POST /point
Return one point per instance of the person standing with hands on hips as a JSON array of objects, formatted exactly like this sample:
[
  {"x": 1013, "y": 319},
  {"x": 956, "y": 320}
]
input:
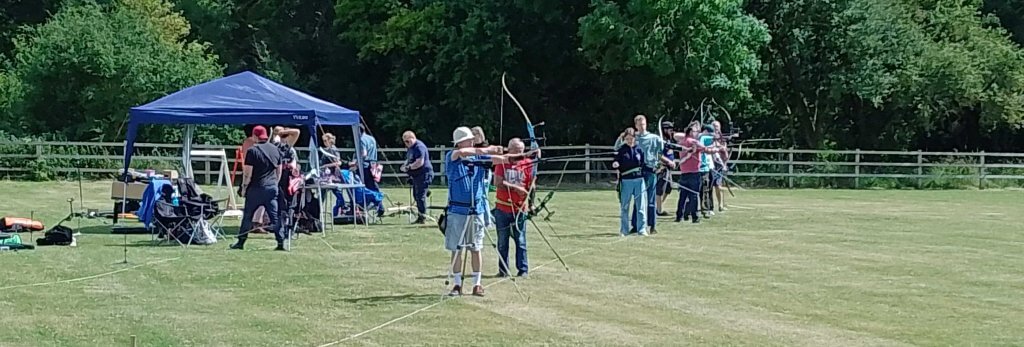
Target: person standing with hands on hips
[
  {"x": 629, "y": 162},
  {"x": 421, "y": 172}
]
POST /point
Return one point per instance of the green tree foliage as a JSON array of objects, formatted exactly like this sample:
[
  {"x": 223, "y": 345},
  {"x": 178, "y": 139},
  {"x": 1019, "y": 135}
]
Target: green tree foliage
[
  {"x": 82, "y": 70},
  {"x": 902, "y": 74},
  {"x": 872, "y": 74}
]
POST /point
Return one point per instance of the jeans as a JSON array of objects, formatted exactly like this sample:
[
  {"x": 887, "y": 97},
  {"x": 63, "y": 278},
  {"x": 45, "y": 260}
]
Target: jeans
[
  {"x": 688, "y": 195},
  {"x": 634, "y": 189},
  {"x": 650, "y": 190},
  {"x": 368, "y": 179},
  {"x": 708, "y": 196},
  {"x": 511, "y": 227},
  {"x": 254, "y": 198},
  {"x": 420, "y": 184}
]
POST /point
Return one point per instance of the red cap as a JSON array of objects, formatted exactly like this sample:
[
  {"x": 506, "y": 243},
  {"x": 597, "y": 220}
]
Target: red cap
[{"x": 260, "y": 132}]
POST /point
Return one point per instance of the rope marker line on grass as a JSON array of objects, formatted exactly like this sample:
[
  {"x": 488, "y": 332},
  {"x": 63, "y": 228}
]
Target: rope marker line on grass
[
  {"x": 424, "y": 308},
  {"x": 89, "y": 277}
]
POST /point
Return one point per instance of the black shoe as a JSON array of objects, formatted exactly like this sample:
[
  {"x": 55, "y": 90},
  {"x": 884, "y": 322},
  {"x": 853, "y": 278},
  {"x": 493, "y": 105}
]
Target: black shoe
[
  {"x": 662, "y": 214},
  {"x": 695, "y": 221},
  {"x": 236, "y": 246},
  {"x": 280, "y": 247},
  {"x": 523, "y": 274},
  {"x": 501, "y": 274},
  {"x": 653, "y": 231},
  {"x": 632, "y": 231},
  {"x": 678, "y": 219},
  {"x": 420, "y": 221}
]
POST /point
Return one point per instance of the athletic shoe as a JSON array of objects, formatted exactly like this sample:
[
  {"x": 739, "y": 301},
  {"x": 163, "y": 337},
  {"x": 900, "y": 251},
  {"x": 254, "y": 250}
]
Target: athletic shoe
[
  {"x": 711, "y": 213},
  {"x": 421, "y": 220},
  {"x": 478, "y": 291},
  {"x": 236, "y": 246},
  {"x": 695, "y": 221},
  {"x": 662, "y": 214},
  {"x": 280, "y": 247},
  {"x": 523, "y": 274},
  {"x": 456, "y": 291},
  {"x": 653, "y": 231},
  {"x": 501, "y": 274}
]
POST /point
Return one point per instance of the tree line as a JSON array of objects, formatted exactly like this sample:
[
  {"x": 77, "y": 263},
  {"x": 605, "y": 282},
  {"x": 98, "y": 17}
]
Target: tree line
[{"x": 870, "y": 74}]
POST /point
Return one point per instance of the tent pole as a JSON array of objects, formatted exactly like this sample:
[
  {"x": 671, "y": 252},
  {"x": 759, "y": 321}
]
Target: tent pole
[{"x": 186, "y": 148}]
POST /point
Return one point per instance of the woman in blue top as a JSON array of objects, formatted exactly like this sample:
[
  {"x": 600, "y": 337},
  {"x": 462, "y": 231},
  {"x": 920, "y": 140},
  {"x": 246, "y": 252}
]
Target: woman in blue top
[{"x": 629, "y": 161}]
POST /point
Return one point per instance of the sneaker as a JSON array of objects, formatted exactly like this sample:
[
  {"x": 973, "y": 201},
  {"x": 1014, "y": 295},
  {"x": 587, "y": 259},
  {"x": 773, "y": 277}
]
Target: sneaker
[
  {"x": 421, "y": 220},
  {"x": 678, "y": 219},
  {"x": 695, "y": 221},
  {"x": 653, "y": 231},
  {"x": 523, "y": 274},
  {"x": 236, "y": 246},
  {"x": 632, "y": 231},
  {"x": 663, "y": 214},
  {"x": 501, "y": 275},
  {"x": 456, "y": 291},
  {"x": 711, "y": 213},
  {"x": 722, "y": 209},
  {"x": 478, "y": 290},
  {"x": 280, "y": 247}
]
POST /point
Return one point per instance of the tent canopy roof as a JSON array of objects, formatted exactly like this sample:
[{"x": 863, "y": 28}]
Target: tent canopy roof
[{"x": 242, "y": 98}]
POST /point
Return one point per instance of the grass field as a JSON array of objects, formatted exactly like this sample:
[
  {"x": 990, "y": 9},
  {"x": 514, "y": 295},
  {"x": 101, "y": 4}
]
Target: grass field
[{"x": 781, "y": 268}]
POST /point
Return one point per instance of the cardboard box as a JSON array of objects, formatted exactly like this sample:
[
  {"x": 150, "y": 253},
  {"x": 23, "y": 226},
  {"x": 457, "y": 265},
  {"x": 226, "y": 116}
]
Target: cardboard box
[
  {"x": 170, "y": 174},
  {"x": 133, "y": 191}
]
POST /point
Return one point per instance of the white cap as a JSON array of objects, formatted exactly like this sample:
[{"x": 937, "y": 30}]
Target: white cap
[{"x": 462, "y": 134}]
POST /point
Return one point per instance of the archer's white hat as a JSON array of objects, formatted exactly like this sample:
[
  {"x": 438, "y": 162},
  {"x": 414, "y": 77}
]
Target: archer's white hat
[{"x": 462, "y": 134}]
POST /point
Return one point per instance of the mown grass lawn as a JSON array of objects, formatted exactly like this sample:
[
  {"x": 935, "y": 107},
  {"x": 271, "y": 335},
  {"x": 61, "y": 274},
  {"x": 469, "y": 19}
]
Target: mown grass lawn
[{"x": 782, "y": 267}]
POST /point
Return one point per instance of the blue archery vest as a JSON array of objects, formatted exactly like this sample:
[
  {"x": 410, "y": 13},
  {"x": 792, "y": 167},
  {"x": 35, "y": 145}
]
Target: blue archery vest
[{"x": 467, "y": 185}]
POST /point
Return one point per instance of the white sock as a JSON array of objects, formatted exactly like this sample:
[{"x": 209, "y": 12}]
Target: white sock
[
  {"x": 476, "y": 278},
  {"x": 458, "y": 278}
]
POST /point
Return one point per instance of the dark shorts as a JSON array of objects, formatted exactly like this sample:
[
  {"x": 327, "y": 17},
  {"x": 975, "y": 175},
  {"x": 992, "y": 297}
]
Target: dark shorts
[
  {"x": 716, "y": 178},
  {"x": 663, "y": 187}
]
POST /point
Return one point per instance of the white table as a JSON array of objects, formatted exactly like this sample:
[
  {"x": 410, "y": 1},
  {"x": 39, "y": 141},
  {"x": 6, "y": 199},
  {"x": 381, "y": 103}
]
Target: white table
[{"x": 326, "y": 209}]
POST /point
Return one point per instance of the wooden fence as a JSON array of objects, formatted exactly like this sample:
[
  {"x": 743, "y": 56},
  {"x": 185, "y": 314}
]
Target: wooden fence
[{"x": 753, "y": 166}]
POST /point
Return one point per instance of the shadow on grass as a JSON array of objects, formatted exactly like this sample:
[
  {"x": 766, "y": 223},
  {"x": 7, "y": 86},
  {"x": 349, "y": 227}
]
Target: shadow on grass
[
  {"x": 466, "y": 276},
  {"x": 392, "y": 299}
]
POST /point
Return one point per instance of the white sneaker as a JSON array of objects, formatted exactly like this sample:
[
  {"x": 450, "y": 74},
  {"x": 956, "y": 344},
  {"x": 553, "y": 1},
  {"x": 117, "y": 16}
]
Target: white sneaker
[{"x": 711, "y": 213}]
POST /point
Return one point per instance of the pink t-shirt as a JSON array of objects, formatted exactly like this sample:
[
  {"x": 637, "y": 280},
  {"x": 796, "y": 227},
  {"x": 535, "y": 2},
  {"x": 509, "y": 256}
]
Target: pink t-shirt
[{"x": 691, "y": 162}]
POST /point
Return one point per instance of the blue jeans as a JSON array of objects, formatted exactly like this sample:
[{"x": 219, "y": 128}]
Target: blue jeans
[
  {"x": 515, "y": 228},
  {"x": 420, "y": 184},
  {"x": 254, "y": 198},
  {"x": 650, "y": 189},
  {"x": 634, "y": 189},
  {"x": 688, "y": 195}
]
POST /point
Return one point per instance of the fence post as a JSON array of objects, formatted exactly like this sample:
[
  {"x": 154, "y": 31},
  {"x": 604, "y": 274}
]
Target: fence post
[
  {"x": 444, "y": 177},
  {"x": 856, "y": 170},
  {"x": 790, "y": 167},
  {"x": 39, "y": 151},
  {"x": 586, "y": 150},
  {"x": 981, "y": 171},
  {"x": 920, "y": 171}
]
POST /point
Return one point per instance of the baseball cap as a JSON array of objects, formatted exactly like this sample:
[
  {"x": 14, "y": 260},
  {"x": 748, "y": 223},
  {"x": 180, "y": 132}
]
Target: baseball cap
[{"x": 260, "y": 132}]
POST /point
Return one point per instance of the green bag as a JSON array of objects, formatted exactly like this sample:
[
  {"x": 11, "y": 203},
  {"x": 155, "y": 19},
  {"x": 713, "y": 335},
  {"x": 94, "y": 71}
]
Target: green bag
[{"x": 12, "y": 240}]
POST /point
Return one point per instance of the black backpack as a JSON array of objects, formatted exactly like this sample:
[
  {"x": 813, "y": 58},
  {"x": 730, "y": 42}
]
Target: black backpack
[{"x": 58, "y": 236}]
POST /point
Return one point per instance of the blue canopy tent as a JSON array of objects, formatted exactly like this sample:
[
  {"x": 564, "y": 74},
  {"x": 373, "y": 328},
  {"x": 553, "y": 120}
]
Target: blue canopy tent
[{"x": 243, "y": 98}]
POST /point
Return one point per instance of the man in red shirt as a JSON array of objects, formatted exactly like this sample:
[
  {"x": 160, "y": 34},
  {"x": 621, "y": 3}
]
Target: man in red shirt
[
  {"x": 689, "y": 165},
  {"x": 513, "y": 181}
]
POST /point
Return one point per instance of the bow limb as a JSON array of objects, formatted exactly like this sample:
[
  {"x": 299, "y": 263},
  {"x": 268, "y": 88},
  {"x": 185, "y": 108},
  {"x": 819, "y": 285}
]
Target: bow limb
[{"x": 533, "y": 139}]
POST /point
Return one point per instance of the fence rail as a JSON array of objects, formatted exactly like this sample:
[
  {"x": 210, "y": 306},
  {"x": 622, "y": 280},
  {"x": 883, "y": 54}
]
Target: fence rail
[{"x": 780, "y": 167}]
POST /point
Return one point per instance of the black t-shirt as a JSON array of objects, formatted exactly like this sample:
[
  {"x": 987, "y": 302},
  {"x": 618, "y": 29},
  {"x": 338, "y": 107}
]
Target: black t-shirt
[{"x": 264, "y": 158}]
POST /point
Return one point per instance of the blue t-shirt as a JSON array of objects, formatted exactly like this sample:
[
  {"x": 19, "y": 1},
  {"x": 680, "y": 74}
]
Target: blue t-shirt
[
  {"x": 370, "y": 145},
  {"x": 706, "y": 160},
  {"x": 467, "y": 184},
  {"x": 417, "y": 151}
]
